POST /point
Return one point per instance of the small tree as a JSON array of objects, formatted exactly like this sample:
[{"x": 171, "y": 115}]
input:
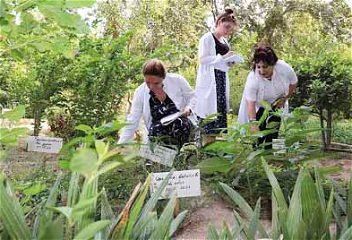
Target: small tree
[{"x": 325, "y": 85}]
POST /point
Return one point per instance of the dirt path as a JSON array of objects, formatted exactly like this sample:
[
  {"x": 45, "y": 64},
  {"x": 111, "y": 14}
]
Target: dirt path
[{"x": 216, "y": 212}]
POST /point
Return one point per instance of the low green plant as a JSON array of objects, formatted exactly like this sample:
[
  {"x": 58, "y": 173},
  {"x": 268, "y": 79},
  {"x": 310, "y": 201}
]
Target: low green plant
[
  {"x": 238, "y": 160},
  {"x": 307, "y": 216},
  {"x": 79, "y": 217}
]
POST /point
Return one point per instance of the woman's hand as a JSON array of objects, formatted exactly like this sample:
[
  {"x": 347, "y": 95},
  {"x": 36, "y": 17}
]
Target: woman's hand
[
  {"x": 186, "y": 112},
  {"x": 228, "y": 54},
  {"x": 254, "y": 128}
]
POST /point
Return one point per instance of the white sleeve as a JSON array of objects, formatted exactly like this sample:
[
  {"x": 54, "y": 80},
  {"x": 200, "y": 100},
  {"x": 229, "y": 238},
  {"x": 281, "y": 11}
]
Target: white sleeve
[
  {"x": 288, "y": 72},
  {"x": 133, "y": 118},
  {"x": 204, "y": 52},
  {"x": 188, "y": 93},
  {"x": 251, "y": 88}
]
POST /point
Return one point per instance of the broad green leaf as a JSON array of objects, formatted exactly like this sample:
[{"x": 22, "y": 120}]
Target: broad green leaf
[
  {"x": 349, "y": 203},
  {"x": 212, "y": 233},
  {"x": 101, "y": 148},
  {"x": 52, "y": 230},
  {"x": 162, "y": 227},
  {"x": 85, "y": 128},
  {"x": 84, "y": 161},
  {"x": 137, "y": 206},
  {"x": 106, "y": 214},
  {"x": 15, "y": 114},
  {"x": 73, "y": 190},
  {"x": 176, "y": 222},
  {"x": 108, "y": 167},
  {"x": 347, "y": 235},
  {"x": 275, "y": 186},
  {"x": 215, "y": 164},
  {"x": 254, "y": 221},
  {"x": 25, "y": 5},
  {"x": 79, "y": 3},
  {"x": 66, "y": 211},
  {"x": 11, "y": 214},
  {"x": 35, "y": 189},
  {"x": 243, "y": 205},
  {"x": 89, "y": 231}
]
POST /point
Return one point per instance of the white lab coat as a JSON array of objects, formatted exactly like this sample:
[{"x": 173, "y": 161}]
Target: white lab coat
[
  {"x": 258, "y": 89},
  {"x": 205, "y": 84},
  {"x": 178, "y": 90}
]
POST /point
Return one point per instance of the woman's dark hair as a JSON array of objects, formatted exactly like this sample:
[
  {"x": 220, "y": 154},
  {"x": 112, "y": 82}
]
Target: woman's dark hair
[
  {"x": 264, "y": 54},
  {"x": 154, "y": 67},
  {"x": 227, "y": 16}
]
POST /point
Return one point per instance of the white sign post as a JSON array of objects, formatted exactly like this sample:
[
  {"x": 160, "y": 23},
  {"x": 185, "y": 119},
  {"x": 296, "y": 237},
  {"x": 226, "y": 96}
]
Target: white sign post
[
  {"x": 162, "y": 155},
  {"x": 182, "y": 183},
  {"x": 44, "y": 144},
  {"x": 279, "y": 144}
]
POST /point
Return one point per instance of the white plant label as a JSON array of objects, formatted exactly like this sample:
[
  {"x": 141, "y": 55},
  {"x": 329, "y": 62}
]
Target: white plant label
[
  {"x": 279, "y": 144},
  {"x": 162, "y": 155},
  {"x": 44, "y": 144},
  {"x": 182, "y": 183}
]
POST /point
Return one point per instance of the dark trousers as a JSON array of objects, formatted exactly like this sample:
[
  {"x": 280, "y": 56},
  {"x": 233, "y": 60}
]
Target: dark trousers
[{"x": 270, "y": 118}]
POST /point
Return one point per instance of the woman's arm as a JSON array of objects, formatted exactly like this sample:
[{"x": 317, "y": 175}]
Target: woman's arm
[
  {"x": 252, "y": 116},
  {"x": 204, "y": 51},
  {"x": 133, "y": 118},
  {"x": 188, "y": 94}
]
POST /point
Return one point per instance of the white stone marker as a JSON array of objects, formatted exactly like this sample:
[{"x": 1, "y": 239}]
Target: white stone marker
[
  {"x": 182, "y": 183},
  {"x": 43, "y": 144},
  {"x": 162, "y": 155}
]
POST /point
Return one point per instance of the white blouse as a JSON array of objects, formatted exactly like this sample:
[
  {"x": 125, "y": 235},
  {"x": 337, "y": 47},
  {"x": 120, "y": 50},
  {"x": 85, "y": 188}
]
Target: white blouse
[
  {"x": 206, "y": 85},
  {"x": 258, "y": 88},
  {"x": 178, "y": 90}
]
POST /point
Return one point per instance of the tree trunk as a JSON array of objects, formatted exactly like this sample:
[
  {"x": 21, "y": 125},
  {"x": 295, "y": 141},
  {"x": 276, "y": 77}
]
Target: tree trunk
[
  {"x": 38, "y": 113},
  {"x": 321, "y": 117},
  {"x": 328, "y": 128}
]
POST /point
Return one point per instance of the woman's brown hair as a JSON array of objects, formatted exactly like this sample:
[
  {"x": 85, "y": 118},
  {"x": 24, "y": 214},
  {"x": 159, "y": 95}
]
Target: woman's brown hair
[
  {"x": 227, "y": 16},
  {"x": 154, "y": 67}
]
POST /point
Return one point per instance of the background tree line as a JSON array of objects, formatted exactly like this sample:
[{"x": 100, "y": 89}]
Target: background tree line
[{"x": 53, "y": 63}]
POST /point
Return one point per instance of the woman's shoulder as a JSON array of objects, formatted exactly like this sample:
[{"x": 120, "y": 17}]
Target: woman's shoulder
[
  {"x": 207, "y": 37},
  {"x": 174, "y": 77},
  {"x": 282, "y": 65}
]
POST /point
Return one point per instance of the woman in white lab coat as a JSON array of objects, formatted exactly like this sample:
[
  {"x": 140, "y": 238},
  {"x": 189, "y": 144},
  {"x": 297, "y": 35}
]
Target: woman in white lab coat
[
  {"x": 271, "y": 80},
  {"x": 212, "y": 86},
  {"x": 161, "y": 95}
]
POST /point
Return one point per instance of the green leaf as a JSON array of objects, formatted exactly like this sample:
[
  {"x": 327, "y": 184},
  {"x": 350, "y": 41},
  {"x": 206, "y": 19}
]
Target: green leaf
[
  {"x": 108, "y": 167},
  {"x": 52, "y": 230},
  {"x": 11, "y": 214},
  {"x": 15, "y": 114},
  {"x": 176, "y": 222},
  {"x": 101, "y": 148},
  {"x": 212, "y": 233},
  {"x": 79, "y": 3},
  {"x": 85, "y": 128},
  {"x": 66, "y": 211},
  {"x": 35, "y": 189},
  {"x": 216, "y": 164},
  {"x": 89, "y": 231},
  {"x": 84, "y": 161},
  {"x": 243, "y": 205},
  {"x": 163, "y": 225}
]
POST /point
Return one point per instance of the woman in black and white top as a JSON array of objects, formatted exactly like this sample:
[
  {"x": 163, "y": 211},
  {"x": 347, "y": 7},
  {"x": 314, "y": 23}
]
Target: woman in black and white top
[
  {"x": 271, "y": 79},
  {"x": 160, "y": 95},
  {"x": 212, "y": 86}
]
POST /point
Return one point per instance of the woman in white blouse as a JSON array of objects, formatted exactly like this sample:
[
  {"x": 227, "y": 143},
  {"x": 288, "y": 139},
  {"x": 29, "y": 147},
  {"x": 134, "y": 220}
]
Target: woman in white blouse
[
  {"x": 212, "y": 86},
  {"x": 271, "y": 80},
  {"x": 160, "y": 95}
]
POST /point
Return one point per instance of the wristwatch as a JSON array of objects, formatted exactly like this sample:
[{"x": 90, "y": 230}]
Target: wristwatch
[{"x": 252, "y": 120}]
